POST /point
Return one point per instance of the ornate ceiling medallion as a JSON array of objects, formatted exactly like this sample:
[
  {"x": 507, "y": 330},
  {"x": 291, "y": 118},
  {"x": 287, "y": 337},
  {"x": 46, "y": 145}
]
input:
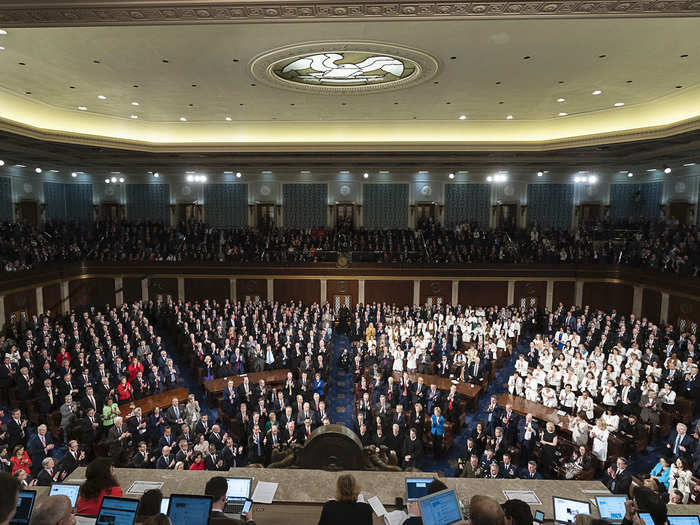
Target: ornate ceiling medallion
[{"x": 343, "y": 68}]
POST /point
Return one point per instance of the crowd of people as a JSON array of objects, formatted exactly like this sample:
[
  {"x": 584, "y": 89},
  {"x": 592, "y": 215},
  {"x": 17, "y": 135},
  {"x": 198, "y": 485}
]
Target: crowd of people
[{"x": 659, "y": 246}]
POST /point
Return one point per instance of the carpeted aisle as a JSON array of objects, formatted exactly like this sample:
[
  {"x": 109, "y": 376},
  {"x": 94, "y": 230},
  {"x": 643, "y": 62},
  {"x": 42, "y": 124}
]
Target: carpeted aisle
[{"x": 340, "y": 399}]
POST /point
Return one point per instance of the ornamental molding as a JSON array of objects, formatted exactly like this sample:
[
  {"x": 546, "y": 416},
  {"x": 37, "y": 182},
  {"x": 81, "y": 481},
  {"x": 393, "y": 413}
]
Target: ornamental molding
[{"x": 39, "y": 13}]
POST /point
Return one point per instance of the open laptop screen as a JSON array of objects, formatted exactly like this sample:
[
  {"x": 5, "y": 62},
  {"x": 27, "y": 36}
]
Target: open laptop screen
[
  {"x": 440, "y": 508},
  {"x": 25, "y": 504},
  {"x": 566, "y": 510},
  {"x": 117, "y": 511},
  {"x": 417, "y": 488},
  {"x": 684, "y": 520},
  {"x": 185, "y": 509},
  {"x": 611, "y": 508},
  {"x": 59, "y": 489},
  {"x": 238, "y": 488}
]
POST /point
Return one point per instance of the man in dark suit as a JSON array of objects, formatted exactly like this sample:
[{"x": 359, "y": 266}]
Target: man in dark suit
[
  {"x": 629, "y": 398},
  {"x": 618, "y": 479},
  {"x": 39, "y": 447},
  {"x": 89, "y": 426},
  {"x": 472, "y": 468},
  {"x": 256, "y": 447},
  {"x": 477, "y": 372},
  {"x": 213, "y": 460},
  {"x": 175, "y": 414},
  {"x": 72, "y": 459},
  {"x": 16, "y": 429},
  {"x": 46, "y": 475},
  {"x": 680, "y": 444},
  {"x": 531, "y": 472},
  {"x": 165, "y": 461},
  {"x": 217, "y": 487},
  {"x": 412, "y": 450},
  {"x": 141, "y": 459},
  {"x": 119, "y": 440}
]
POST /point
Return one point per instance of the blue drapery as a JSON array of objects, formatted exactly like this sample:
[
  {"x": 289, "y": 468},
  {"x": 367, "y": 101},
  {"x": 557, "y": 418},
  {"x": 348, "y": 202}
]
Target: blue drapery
[
  {"x": 305, "y": 205},
  {"x": 550, "y": 206},
  {"x": 385, "y": 206},
  {"x": 634, "y": 201},
  {"x": 467, "y": 203},
  {"x": 68, "y": 201},
  {"x": 226, "y": 205},
  {"x": 148, "y": 202}
]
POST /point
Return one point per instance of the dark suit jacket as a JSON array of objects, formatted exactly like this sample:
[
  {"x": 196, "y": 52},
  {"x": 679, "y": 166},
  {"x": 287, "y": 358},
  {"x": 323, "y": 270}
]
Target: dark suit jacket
[
  {"x": 219, "y": 518},
  {"x": 44, "y": 479},
  {"x": 345, "y": 513},
  {"x": 623, "y": 480}
]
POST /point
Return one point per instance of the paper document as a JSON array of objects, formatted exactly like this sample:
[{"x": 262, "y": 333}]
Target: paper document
[
  {"x": 83, "y": 520},
  {"x": 139, "y": 487},
  {"x": 561, "y": 413},
  {"x": 596, "y": 491},
  {"x": 264, "y": 492},
  {"x": 528, "y": 496},
  {"x": 377, "y": 506},
  {"x": 360, "y": 498},
  {"x": 396, "y": 517}
]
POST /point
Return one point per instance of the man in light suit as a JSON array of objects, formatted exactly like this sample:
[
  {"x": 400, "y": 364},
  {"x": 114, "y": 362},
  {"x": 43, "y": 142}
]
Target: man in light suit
[{"x": 68, "y": 409}]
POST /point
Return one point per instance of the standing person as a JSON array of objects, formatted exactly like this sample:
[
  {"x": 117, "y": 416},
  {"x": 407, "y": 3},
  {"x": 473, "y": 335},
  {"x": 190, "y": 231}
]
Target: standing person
[
  {"x": 437, "y": 429},
  {"x": 345, "y": 509}
]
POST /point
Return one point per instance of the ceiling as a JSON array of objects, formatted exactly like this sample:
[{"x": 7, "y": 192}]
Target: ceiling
[{"x": 486, "y": 71}]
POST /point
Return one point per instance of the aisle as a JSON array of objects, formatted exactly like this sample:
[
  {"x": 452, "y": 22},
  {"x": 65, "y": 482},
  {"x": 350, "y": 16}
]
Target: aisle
[{"x": 340, "y": 398}]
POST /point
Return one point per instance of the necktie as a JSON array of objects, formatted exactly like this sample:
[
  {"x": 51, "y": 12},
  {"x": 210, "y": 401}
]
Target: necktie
[
  {"x": 675, "y": 446},
  {"x": 43, "y": 440},
  {"x": 177, "y": 413}
]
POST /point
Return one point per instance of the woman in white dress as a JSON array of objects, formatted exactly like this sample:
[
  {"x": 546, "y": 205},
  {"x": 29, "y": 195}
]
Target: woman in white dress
[
  {"x": 539, "y": 375},
  {"x": 680, "y": 478},
  {"x": 654, "y": 369},
  {"x": 531, "y": 392},
  {"x": 600, "y": 434},
  {"x": 549, "y": 397},
  {"x": 598, "y": 357},
  {"x": 584, "y": 404},
  {"x": 648, "y": 385},
  {"x": 554, "y": 378},
  {"x": 610, "y": 394},
  {"x": 521, "y": 365},
  {"x": 546, "y": 359},
  {"x": 615, "y": 359},
  {"x": 411, "y": 361},
  {"x": 667, "y": 396},
  {"x": 579, "y": 430},
  {"x": 612, "y": 421},
  {"x": 398, "y": 360},
  {"x": 515, "y": 385}
]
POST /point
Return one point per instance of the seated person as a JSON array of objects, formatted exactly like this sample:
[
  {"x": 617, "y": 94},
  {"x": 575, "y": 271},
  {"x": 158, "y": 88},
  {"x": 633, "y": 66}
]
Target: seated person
[{"x": 345, "y": 510}]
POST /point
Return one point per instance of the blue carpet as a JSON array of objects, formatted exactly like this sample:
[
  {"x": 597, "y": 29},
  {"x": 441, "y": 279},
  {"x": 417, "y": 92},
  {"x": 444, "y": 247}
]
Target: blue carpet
[{"x": 340, "y": 397}]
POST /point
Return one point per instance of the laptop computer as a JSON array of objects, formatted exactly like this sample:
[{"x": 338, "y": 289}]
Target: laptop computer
[
  {"x": 25, "y": 505},
  {"x": 117, "y": 511},
  {"x": 684, "y": 520},
  {"x": 164, "y": 505},
  {"x": 566, "y": 510},
  {"x": 417, "y": 488},
  {"x": 187, "y": 509},
  {"x": 646, "y": 518},
  {"x": 441, "y": 508},
  {"x": 65, "y": 489},
  {"x": 237, "y": 494},
  {"x": 611, "y": 508}
]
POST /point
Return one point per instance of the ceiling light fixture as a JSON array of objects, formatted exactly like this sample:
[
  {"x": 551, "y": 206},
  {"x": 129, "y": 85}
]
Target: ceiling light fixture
[
  {"x": 156, "y": 175},
  {"x": 561, "y": 99},
  {"x": 133, "y": 116},
  {"x": 451, "y": 176},
  {"x": 365, "y": 175},
  {"x": 489, "y": 178},
  {"x": 563, "y": 114},
  {"x": 630, "y": 174},
  {"x": 82, "y": 108},
  {"x": 74, "y": 174},
  {"x": 113, "y": 179},
  {"x": 2, "y": 48},
  {"x": 462, "y": 117},
  {"x": 228, "y": 119},
  {"x": 3, "y": 32},
  {"x": 37, "y": 170},
  {"x": 238, "y": 175},
  {"x": 121, "y": 179},
  {"x": 540, "y": 173},
  {"x": 2, "y": 162},
  {"x": 183, "y": 119},
  {"x": 509, "y": 117},
  {"x": 686, "y": 164},
  {"x": 189, "y": 178},
  {"x": 667, "y": 170},
  {"x": 101, "y": 97},
  {"x": 106, "y": 181},
  {"x": 596, "y": 92},
  {"x": 134, "y": 103},
  {"x": 619, "y": 104}
]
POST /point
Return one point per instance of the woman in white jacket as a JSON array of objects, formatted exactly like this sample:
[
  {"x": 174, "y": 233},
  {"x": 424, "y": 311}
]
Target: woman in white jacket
[{"x": 680, "y": 478}]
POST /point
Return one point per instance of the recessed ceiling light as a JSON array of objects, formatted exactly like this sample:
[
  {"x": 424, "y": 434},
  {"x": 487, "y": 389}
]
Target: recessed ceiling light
[
  {"x": 462, "y": 117},
  {"x": 630, "y": 174},
  {"x": 156, "y": 174},
  {"x": 228, "y": 119},
  {"x": 563, "y": 114},
  {"x": 527, "y": 57},
  {"x": 238, "y": 175},
  {"x": 113, "y": 179},
  {"x": 121, "y": 179},
  {"x": 489, "y": 178},
  {"x": 509, "y": 117},
  {"x": 106, "y": 181},
  {"x": 540, "y": 173},
  {"x": 596, "y": 92},
  {"x": 74, "y": 174},
  {"x": 37, "y": 170},
  {"x": 602, "y": 56},
  {"x": 686, "y": 164},
  {"x": 2, "y": 48},
  {"x": 451, "y": 175},
  {"x": 95, "y": 61},
  {"x": 684, "y": 55},
  {"x": 133, "y": 116},
  {"x": 560, "y": 99},
  {"x": 365, "y": 175},
  {"x": 20, "y": 166},
  {"x": 2, "y": 163},
  {"x": 667, "y": 170},
  {"x": 3, "y": 32},
  {"x": 183, "y": 119},
  {"x": 134, "y": 103},
  {"x": 679, "y": 87},
  {"x": 82, "y": 108},
  {"x": 619, "y": 104},
  {"x": 101, "y": 97}
]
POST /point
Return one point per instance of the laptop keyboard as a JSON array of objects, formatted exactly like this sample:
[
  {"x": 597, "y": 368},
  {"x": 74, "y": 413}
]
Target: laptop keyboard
[{"x": 234, "y": 507}]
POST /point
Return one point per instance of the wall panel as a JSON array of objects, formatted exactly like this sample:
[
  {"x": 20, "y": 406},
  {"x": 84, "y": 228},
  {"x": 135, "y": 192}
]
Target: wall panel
[
  {"x": 607, "y": 296},
  {"x": 97, "y": 292},
  {"x": 148, "y": 202},
  {"x": 206, "y": 288},
  {"x": 132, "y": 289},
  {"x": 226, "y": 204},
  {"x": 651, "y": 305},
  {"x": 52, "y": 298},
  {"x": 308, "y": 291},
  {"x": 436, "y": 289},
  {"x": 563, "y": 293},
  {"x": 398, "y": 292},
  {"x": 680, "y": 308},
  {"x": 20, "y": 301},
  {"x": 483, "y": 293},
  {"x": 251, "y": 288},
  {"x": 632, "y": 201}
]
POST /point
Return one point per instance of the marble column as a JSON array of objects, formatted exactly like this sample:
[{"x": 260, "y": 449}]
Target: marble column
[
  {"x": 578, "y": 293},
  {"x": 65, "y": 297},
  {"x": 511, "y": 293},
  {"x": 181, "y": 288},
  {"x": 271, "y": 290},
  {"x": 361, "y": 291},
  {"x": 2, "y": 312},
  {"x": 144, "y": 290},
  {"x": 232, "y": 292},
  {"x": 324, "y": 291},
  {"x": 39, "y": 300},
  {"x": 663, "y": 316},
  {"x": 455, "y": 293},
  {"x": 118, "y": 291},
  {"x": 549, "y": 297},
  {"x": 637, "y": 301},
  {"x": 416, "y": 292}
]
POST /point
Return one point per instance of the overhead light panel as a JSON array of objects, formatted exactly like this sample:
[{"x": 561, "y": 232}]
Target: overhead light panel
[
  {"x": 82, "y": 108},
  {"x": 37, "y": 170},
  {"x": 451, "y": 175},
  {"x": 238, "y": 175},
  {"x": 540, "y": 173},
  {"x": 156, "y": 174},
  {"x": 101, "y": 97},
  {"x": 619, "y": 104},
  {"x": 74, "y": 174},
  {"x": 114, "y": 179},
  {"x": 667, "y": 170},
  {"x": 2, "y": 162},
  {"x": 365, "y": 175},
  {"x": 561, "y": 99},
  {"x": 462, "y": 117},
  {"x": 107, "y": 181},
  {"x": 121, "y": 179},
  {"x": 630, "y": 174},
  {"x": 596, "y": 92}
]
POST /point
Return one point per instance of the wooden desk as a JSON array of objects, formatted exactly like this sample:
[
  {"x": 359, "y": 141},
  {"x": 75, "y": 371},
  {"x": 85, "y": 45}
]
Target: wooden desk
[
  {"x": 301, "y": 493},
  {"x": 522, "y": 407},
  {"x": 148, "y": 404},
  {"x": 467, "y": 390},
  {"x": 271, "y": 377}
]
